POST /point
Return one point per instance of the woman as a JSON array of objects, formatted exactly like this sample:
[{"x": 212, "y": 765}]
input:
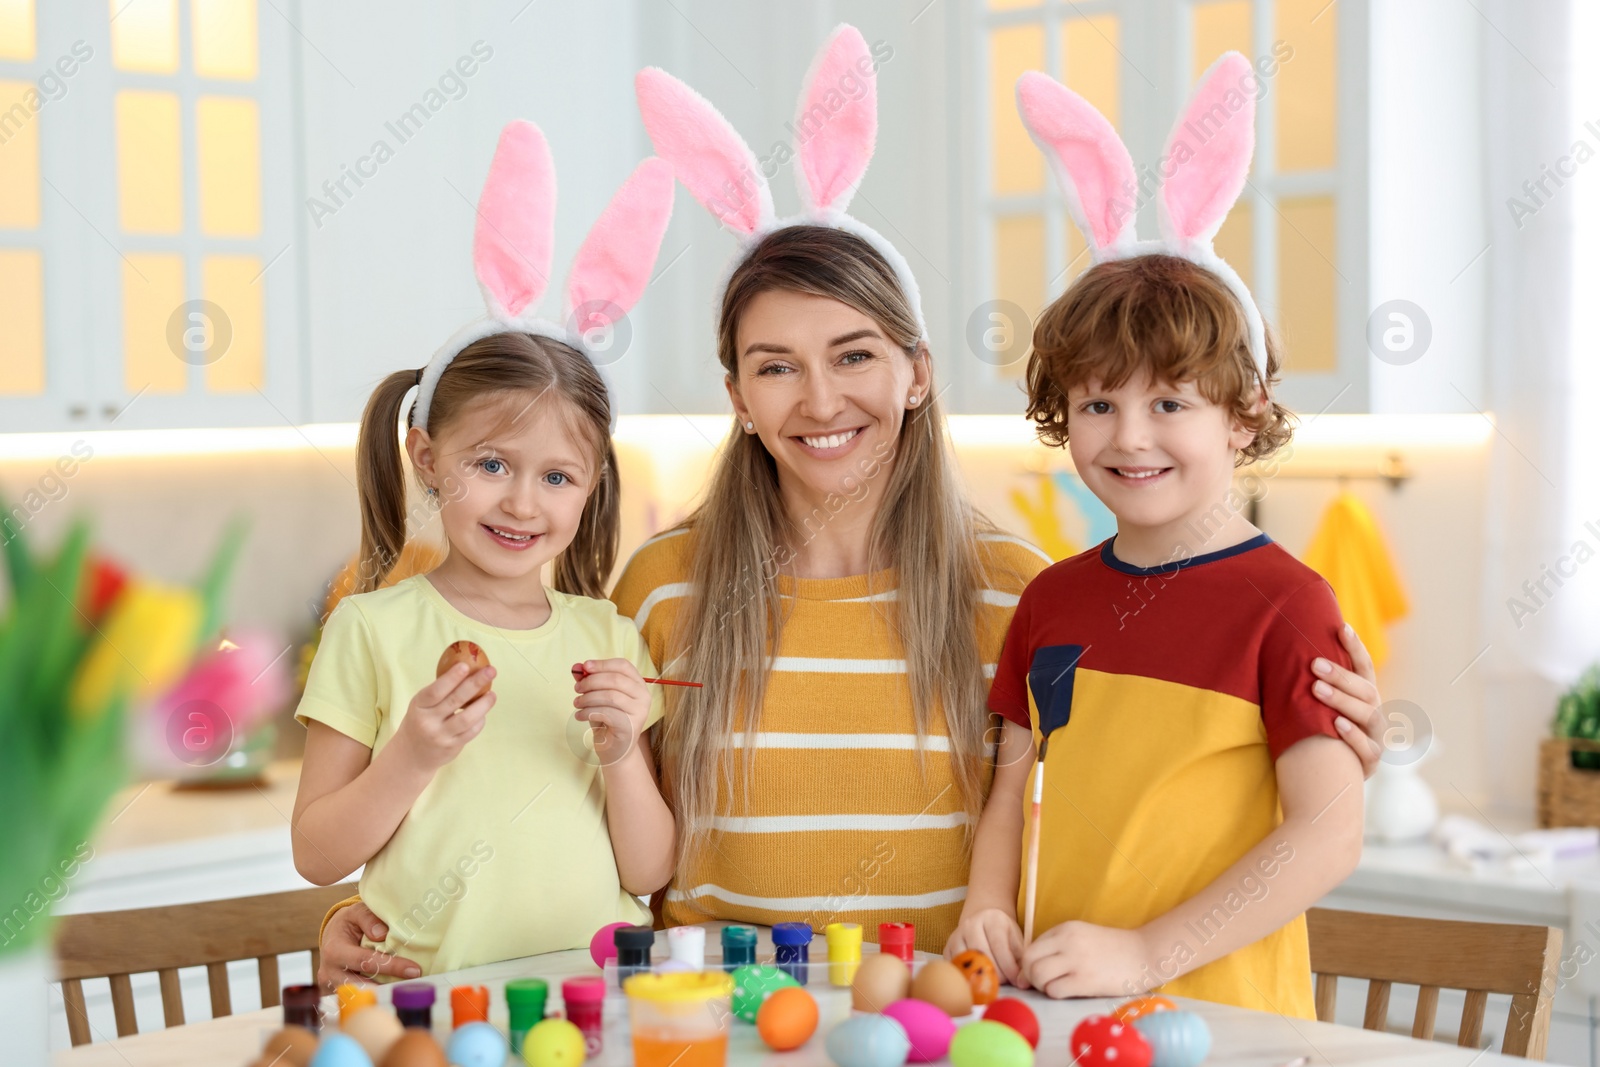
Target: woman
[{"x": 839, "y": 586}]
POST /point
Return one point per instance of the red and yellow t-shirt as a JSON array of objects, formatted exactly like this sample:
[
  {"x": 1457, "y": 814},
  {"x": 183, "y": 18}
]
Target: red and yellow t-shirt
[{"x": 1167, "y": 693}]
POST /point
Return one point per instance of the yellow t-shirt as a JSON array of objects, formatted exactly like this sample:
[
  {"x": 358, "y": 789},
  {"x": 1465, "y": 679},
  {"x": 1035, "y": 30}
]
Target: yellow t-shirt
[{"x": 506, "y": 852}]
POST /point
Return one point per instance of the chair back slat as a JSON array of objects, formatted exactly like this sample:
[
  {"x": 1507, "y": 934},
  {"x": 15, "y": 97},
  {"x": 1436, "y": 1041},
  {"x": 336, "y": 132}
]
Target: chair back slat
[
  {"x": 1377, "y": 1013},
  {"x": 1472, "y": 1018},
  {"x": 77, "y": 1011},
  {"x": 1427, "y": 1012},
  {"x": 221, "y": 996},
  {"x": 171, "y": 996},
  {"x": 267, "y": 976},
  {"x": 122, "y": 1005}
]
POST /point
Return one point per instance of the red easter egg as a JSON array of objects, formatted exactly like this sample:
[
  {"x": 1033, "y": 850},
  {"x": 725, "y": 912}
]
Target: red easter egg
[
  {"x": 1009, "y": 1011},
  {"x": 1105, "y": 1041}
]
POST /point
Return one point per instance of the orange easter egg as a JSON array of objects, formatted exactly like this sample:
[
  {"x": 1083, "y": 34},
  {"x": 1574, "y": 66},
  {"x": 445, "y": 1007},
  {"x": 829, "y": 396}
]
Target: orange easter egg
[
  {"x": 981, "y": 974},
  {"x": 787, "y": 1019},
  {"x": 1133, "y": 1009}
]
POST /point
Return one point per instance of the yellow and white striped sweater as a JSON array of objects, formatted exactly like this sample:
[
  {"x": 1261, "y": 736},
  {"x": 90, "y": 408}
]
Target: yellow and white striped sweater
[{"x": 842, "y": 825}]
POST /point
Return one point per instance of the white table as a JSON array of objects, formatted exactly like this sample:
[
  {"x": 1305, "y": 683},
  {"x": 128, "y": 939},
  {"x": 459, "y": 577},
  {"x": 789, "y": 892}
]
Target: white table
[{"x": 1241, "y": 1038}]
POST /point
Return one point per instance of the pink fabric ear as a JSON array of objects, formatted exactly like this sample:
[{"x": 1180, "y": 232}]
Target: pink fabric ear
[
  {"x": 1090, "y": 161},
  {"x": 837, "y": 123},
  {"x": 711, "y": 160},
  {"x": 1209, "y": 152},
  {"x": 613, "y": 266},
  {"x": 516, "y": 221}
]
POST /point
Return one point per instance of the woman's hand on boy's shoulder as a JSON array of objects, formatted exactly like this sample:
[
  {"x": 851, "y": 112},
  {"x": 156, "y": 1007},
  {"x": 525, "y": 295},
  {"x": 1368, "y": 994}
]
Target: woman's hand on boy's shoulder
[
  {"x": 615, "y": 701},
  {"x": 1079, "y": 959},
  {"x": 993, "y": 932},
  {"x": 1354, "y": 695}
]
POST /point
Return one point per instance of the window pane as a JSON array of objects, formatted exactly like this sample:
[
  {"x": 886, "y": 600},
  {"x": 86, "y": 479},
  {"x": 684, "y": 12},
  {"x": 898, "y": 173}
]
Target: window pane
[
  {"x": 144, "y": 35},
  {"x": 149, "y": 162},
  {"x": 1007, "y": 5},
  {"x": 1218, "y": 28},
  {"x": 234, "y": 284},
  {"x": 1018, "y": 166},
  {"x": 19, "y": 158},
  {"x": 1019, "y": 268},
  {"x": 224, "y": 38},
  {"x": 1235, "y": 241},
  {"x": 21, "y": 322},
  {"x": 1091, "y": 60},
  {"x": 16, "y": 30},
  {"x": 228, "y": 138},
  {"x": 152, "y": 290},
  {"x": 1307, "y": 85},
  {"x": 1307, "y": 284}
]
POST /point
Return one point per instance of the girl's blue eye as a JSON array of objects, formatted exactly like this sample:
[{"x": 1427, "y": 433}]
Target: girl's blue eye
[
  {"x": 492, "y": 466},
  {"x": 557, "y": 478}
]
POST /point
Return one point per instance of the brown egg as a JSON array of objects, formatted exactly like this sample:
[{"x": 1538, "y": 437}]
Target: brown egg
[
  {"x": 416, "y": 1048},
  {"x": 293, "y": 1046},
  {"x": 375, "y": 1029},
  {"x": 880, "y": 981},
  {"x": 464, "y": 652},
  {"x": 944, "y": 986}
]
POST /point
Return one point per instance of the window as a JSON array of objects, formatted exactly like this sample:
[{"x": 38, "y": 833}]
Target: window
[
  {"x": 1287, "y": 236},
  {"x": 22, "y": 338}
]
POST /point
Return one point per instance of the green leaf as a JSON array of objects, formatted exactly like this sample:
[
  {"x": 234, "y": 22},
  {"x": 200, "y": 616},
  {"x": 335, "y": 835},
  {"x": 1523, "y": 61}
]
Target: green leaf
[{"x": 214, "y": 585}]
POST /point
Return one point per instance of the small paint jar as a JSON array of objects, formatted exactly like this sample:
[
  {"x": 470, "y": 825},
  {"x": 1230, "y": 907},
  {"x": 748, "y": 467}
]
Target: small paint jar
[
  {"x": 687, "y": 945},
  {"x": 302, "y": 1006},
  {"x": 413, "y": 1004},
  {"x": 898, "y": 939},
  {"x": 585, "y": 1004},
  {"x": 844, "y": 952},
  {"x": 792, "y": 944},
  {"x": 352, "y": 998},
  {"x": 634, "y": 944},
  {"x": 525, "y": 1002},
  {"x": 738, "y": 947},
  {"x": 468, "y": 1004}
]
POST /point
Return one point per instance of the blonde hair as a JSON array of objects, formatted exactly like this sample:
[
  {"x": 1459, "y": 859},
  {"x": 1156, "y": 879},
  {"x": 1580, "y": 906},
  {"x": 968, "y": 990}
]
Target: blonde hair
[
  {"x": 924, "y": 529},
  {"x": 518, "y": 373}
]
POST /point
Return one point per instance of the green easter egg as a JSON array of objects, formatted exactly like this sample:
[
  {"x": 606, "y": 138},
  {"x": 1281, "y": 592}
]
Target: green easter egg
[
  {"x": 753, "y": 984},
  {"x": 985, "y": 1044}
]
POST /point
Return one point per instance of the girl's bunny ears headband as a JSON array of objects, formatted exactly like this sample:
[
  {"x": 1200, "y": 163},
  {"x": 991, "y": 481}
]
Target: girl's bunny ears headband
[
  {"x": 512, "y": 244},
  {"x": 1204, "y": 168},
  {"x": 838, "y": 125}
]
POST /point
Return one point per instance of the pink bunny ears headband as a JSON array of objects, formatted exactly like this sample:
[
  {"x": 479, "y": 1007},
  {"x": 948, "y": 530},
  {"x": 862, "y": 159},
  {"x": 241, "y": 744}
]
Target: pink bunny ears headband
[
  {"x": 838, "y": 125},
  {"x": 512, "y": 244},
  {"x": 1204, "y": 168}
]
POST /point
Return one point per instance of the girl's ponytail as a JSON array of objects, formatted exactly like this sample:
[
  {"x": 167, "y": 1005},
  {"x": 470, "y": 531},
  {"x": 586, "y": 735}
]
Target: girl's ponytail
[
  {"x": 585, "y": 566},
  {"x": 380, "y": 481}
]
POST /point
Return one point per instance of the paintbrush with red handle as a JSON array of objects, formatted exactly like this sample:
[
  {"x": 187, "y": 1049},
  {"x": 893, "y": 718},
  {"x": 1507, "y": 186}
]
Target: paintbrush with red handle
[{"x": 579, "y": 672}]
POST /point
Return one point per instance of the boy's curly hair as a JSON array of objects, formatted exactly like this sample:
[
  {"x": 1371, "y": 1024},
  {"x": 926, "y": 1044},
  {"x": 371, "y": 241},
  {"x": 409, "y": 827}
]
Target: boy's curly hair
[{"x": 1157, "y": 315}]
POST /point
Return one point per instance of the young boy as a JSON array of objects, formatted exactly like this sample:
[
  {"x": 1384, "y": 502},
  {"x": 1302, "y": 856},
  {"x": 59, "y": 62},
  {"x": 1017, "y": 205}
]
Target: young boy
[{"x": 1197, "y": 798}]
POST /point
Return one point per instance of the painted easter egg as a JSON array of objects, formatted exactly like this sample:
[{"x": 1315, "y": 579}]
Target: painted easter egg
[
  {"x": 1177, "y": 1038},
  {"x": 1130, "y": 1010},
  {"x": 983, "y": 977},
  {"x": 476, "y": 1045},
  {"x": 984, "y": 1044},
  {"x": 868, "y": 1041},
  {"x": 554, "y": 1043},
  {"x": 341, "y": 1050},
  {"x": 416, "y": 1048},
  {"x": 376, "y": 1029},
  {"x": 1103, "y": 1041},
  {"x": 1009, "y": 1011},
  {"x": 463, "y": 652},
  {"x": 928, "y": 1027},
  {"x": 603, "y": 946},
  {"x": 787, "y": 1019},
  {"x": 880, "y": 981},
  {"x": 945, "y": 987},
  {"x": 753, "y": 984}
]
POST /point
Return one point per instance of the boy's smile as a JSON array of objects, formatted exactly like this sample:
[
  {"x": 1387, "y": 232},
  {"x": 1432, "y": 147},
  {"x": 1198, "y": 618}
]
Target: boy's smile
[{"x": 1160, "y": 455}]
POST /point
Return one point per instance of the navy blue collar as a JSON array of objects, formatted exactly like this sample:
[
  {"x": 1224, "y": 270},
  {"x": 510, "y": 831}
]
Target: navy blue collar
[{"x": 1110, "y": 559}]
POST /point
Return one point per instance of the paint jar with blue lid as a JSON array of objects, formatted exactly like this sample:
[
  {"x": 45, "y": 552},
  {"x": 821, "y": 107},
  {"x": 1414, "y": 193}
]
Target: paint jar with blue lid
[{"x": 793, "y": 944}]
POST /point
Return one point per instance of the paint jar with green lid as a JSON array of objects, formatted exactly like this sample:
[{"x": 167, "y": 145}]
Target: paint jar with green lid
[{"x": 525, "y": 1000}]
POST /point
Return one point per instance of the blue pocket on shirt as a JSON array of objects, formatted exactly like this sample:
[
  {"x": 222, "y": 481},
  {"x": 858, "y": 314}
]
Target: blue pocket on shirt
[{"x": 1050, "y": 678}]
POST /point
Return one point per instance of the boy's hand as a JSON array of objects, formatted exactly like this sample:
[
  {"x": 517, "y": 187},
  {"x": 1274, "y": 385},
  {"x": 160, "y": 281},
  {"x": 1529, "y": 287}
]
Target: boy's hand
[
  {"x": 993, "y": 932},
  {"x": 1078, "y": 959},
  {"x": 444, "y": 715},
  {"x": 615, "y": 701}
]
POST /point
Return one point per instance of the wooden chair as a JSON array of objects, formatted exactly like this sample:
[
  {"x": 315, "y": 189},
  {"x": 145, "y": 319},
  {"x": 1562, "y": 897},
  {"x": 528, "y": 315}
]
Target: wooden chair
[
  {"x": 119, "y": 944},
  {"x": 1434, "y": 954}
]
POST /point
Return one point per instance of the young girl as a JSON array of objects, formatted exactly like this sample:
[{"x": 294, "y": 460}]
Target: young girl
[{"x": 488, "y": 827}]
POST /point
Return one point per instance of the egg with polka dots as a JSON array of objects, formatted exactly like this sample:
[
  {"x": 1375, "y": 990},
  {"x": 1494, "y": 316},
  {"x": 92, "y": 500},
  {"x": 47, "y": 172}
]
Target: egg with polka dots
[{"x": 1106, "y": 1041}]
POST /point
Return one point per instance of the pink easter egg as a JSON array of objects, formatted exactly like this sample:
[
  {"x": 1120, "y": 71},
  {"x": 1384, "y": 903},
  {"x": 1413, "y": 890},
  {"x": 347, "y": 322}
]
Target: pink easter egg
[
  {"x": 928, "y": 1027},
  {"x": 602, "y": 946}
]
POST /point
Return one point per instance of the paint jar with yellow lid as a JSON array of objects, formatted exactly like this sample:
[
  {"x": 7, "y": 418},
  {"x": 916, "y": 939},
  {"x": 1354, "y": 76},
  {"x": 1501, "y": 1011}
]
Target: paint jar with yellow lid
[{"x": 680, "y": 1019}]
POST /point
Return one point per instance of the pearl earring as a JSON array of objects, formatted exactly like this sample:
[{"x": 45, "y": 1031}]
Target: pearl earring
[
  {"x": 912, "y": 400},
  {"x": 750, "y": 426}
]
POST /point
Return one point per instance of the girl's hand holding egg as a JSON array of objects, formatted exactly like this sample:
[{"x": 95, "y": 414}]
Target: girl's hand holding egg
[
  {"x": 449, "y": 711},
  {"x": 615, "y": 701}
]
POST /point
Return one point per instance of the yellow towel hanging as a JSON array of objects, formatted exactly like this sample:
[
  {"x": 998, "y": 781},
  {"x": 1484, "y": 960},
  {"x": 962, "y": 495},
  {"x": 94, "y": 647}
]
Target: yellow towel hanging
[{"x": 1348, "y": 550}]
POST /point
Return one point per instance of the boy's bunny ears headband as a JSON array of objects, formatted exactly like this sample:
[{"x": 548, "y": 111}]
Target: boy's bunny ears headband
[
  {"x": 837, "y": 124},
  {"x": 512, "y": 244},
  {"x": 1204, "y": 168}
]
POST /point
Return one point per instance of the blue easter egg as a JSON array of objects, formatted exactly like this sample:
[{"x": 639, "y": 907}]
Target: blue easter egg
[
  {"x": 868, "y": 1041},
  {"x": 1177, "y": 1038},
  {"x": 340, "y": 1050},
  {"x": 476, "y": 1045}
]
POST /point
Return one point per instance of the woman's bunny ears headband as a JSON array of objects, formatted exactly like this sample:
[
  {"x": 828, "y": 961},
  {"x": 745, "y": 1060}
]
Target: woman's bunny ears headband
[
  {"x": 1204, "y": 168},
  {"x": 511, "y": 250},
  {"x": 838, "y": 125}
]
